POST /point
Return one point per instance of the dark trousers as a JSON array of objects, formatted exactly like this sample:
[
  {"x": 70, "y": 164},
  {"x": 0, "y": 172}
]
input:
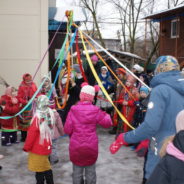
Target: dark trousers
[
  {"x": 42, "y": 176},
  {"x": 23, "y": 135}
]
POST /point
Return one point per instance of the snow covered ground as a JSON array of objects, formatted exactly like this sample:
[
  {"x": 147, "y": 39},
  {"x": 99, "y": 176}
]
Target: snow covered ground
[{"x": 122, "y": 168}]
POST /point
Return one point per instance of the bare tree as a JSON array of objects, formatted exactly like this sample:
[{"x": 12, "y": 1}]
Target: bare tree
[
  {"x": 129, "y": 13},
  {"x": 173, "y": 3},
  {"x": 92, "y": 6}
]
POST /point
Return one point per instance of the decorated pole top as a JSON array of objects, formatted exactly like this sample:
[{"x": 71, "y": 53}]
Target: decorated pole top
[{"x": 69, "y": 14}]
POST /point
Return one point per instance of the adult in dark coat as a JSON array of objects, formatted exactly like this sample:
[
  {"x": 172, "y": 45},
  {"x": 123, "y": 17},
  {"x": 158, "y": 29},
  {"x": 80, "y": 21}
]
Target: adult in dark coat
[
  {"x": 170, "y": 168},
  {"x": 97, "y": 65},
  {"x": 73, "y": 91}
]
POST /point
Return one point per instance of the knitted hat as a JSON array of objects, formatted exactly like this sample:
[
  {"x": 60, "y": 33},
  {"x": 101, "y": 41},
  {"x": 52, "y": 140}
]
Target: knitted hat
[
  {"x": 180, "y": 121},
  {"x": 88, "y": 92},
  {"x": 144, "y": 89},
  {"x": 165, "y": 64},
  {"x": 94, "y": 58}
]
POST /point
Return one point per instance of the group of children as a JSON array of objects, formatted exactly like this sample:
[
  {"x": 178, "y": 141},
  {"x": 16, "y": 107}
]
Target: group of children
[{"x": 44, "y": 124}]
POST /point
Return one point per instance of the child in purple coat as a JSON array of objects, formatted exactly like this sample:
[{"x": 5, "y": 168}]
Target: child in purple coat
[{"x": 81, "y": 124}]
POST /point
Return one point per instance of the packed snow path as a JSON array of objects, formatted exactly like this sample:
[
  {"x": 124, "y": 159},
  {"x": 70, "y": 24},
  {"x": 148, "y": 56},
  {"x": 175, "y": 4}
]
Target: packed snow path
[{"x": 122, "y": 168}]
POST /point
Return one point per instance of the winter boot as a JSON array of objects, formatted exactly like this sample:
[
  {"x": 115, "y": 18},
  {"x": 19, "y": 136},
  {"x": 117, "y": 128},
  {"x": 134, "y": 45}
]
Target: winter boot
[
  {"x": 13, "y": 138},
  {"x": 5, "y": 139}
]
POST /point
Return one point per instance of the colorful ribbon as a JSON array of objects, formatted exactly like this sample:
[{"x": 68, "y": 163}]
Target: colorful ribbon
[{"x": 100, "y": 83}]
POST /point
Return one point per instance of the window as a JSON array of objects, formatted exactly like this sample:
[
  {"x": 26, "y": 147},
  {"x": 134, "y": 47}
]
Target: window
[{"x": 175, "y": 28}]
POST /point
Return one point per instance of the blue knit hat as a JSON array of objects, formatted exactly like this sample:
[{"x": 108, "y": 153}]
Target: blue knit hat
[
  {"x": 144, "y": 89},
  {"x": 166, "y": 63}
]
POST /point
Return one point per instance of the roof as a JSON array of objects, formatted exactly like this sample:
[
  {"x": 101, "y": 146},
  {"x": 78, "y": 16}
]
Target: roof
[
  {"x": 169, "y": 13},
  {"x": 126, "y": 54}
]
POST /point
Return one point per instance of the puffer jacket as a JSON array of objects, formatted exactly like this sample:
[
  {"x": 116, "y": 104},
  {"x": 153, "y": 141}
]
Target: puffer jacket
[
  {"x": 165, "y": 102},
  {"x": 170, "y": 168},
  {"x": 32, "y": 143},
  {"x": 9, "y": 110},
  {"x": 81, "y": 124}
]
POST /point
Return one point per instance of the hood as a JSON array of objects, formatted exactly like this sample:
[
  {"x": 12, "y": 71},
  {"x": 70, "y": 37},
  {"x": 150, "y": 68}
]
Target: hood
[
  {"x": 178, "y": 141},
  {"x": 174, "y": 79}
]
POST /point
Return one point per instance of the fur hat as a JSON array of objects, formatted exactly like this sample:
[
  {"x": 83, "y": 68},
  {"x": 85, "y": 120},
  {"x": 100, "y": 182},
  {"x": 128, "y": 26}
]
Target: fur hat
[
  {"x": 88, "y": 92},
  {"x": 180, "y": 121},
  {"x": 94, "y": 58},
  {"x": 165, "y": 64},
  {"x": 104, "y": 68},
  {"x": 138, "y": 68},
  {"x": 144, "y": 89}
]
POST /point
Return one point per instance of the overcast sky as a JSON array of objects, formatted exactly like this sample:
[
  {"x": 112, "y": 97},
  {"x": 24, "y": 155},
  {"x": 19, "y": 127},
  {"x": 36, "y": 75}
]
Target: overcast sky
[{"x": 109, "y": 14}]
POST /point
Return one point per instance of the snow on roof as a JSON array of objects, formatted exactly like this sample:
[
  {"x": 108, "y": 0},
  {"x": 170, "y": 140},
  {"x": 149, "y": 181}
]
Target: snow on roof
[
  {"x": 127, "y": 54},
  {"x": 114, "y": 51},
  {"x": 163, "y": 11},
  {"x": 58, "y": 13}
]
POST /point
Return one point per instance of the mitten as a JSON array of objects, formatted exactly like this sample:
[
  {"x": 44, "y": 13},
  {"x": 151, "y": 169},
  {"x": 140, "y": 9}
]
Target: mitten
[
  {"x": 115, "y": 146},
  {"x": 142, "y": 148}
]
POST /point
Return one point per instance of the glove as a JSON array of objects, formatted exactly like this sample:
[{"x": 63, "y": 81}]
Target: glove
[
  {"x": 116, "y": 145},
  {"x": 142, "y": 148}
]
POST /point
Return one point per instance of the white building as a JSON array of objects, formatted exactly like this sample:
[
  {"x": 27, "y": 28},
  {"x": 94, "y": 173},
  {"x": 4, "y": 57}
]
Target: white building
[{"x": 23, "y": 39}]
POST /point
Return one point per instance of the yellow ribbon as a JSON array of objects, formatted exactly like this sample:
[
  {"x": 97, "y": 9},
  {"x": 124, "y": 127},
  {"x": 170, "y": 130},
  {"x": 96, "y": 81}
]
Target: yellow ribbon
[{"x": 100, "y": 83}]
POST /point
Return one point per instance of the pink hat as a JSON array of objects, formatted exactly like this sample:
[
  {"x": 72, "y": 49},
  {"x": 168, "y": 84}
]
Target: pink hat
[
  {"x": 88, "y": 92},
  {"x": 180, "y": 121},
  {"x": 94, "y": 58}
]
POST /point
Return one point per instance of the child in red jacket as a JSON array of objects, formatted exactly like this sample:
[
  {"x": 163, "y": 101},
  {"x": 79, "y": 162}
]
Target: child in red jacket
[
  {"x": 10, "y": 106},
  {"x": 26, "y": 90},
  {"x": 39, "y": 141},
  {"x": 127, "y": 102}
]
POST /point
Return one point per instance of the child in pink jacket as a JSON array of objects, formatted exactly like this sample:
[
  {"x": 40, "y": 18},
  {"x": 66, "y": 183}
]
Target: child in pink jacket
[
  {"x": 81, "y": 124},
  {"x": 58, "y": 131}
]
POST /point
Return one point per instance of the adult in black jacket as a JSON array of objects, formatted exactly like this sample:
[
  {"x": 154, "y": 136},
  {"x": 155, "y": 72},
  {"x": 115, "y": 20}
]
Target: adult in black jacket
[{"x": 170, "y": 169}]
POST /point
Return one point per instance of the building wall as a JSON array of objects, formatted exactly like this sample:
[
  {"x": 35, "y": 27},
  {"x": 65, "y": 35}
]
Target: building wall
[
  {"x": 172, "y": 46},
  {"x": 52, "y": 3},
  {"x": 23, "y": 39}
]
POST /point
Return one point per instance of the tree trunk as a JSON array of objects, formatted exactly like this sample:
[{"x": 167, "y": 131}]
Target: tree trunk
[{"x": 98, "y": 30}]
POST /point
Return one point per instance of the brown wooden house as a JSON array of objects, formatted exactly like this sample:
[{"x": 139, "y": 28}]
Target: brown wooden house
[{"x": 171, "y": 32}]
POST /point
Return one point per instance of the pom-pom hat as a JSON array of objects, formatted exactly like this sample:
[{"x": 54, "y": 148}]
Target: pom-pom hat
[{"x": 88, "y": 92}]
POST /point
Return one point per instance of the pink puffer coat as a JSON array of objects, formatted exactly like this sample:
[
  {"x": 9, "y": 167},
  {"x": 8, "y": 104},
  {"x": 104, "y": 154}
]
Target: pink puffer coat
[{"x": 81, "y": 126}]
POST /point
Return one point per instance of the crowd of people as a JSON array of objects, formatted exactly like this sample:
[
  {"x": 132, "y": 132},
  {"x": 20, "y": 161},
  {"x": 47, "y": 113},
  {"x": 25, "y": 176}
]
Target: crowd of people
[{"x": 152, "y": 114}]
